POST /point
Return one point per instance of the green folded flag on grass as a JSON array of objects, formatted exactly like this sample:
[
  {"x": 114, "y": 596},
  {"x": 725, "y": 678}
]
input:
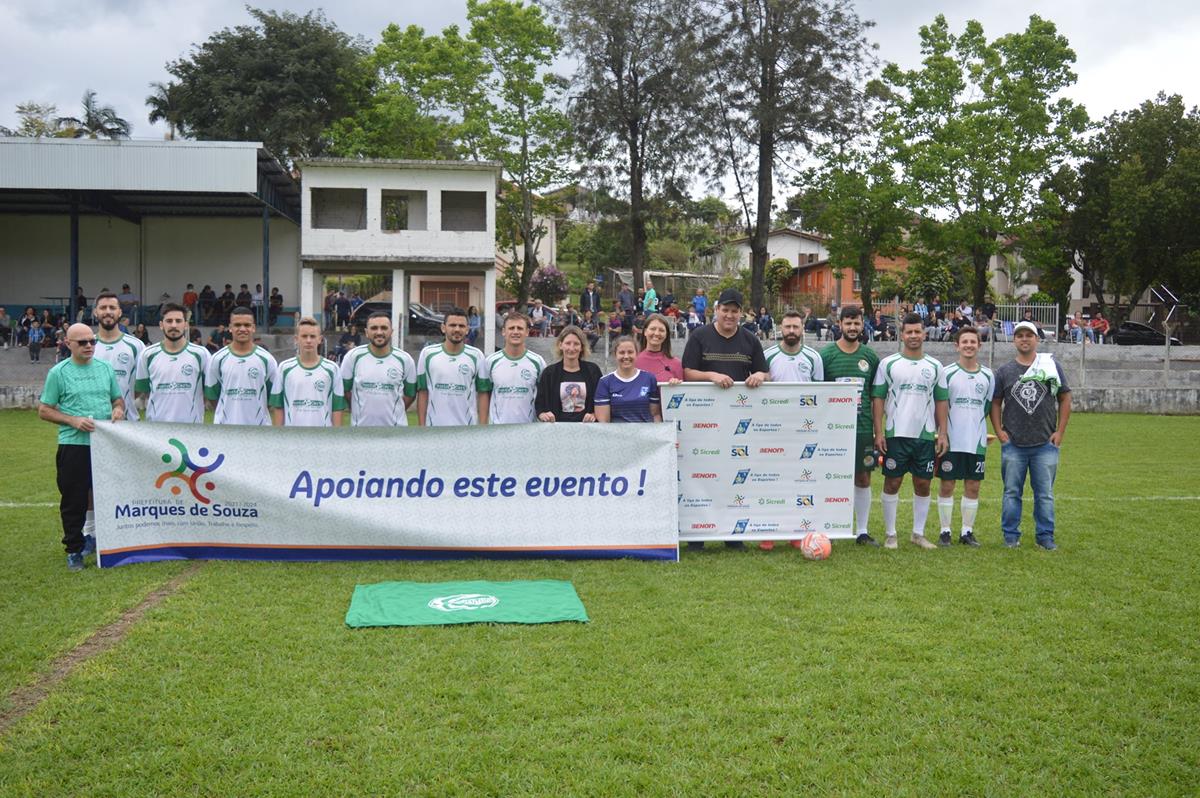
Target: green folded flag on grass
[{"x": 438, "y": 603}]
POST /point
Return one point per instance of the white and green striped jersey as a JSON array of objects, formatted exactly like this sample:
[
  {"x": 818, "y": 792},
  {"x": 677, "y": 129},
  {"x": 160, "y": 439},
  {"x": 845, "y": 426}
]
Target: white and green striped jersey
[
  {"x": 514, "y": 386},
  {"x": 377, "y": 385},
  {"x": 308, "y": 396},
  {"x": 909, "y": 389},
  {"x": 970, "y": 397},
  {"x": 241, "y": 386},
  {"x": 453, "y": 381},
  {"x": 123, "y": 355},
  {"x": 174, "y": 382},
  {"x": 804, "y": 366}
]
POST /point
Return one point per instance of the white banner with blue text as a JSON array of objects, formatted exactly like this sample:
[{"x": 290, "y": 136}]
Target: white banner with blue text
[
  {"x": 768, "y": 463},
  {"x": 177, "y": 491}
]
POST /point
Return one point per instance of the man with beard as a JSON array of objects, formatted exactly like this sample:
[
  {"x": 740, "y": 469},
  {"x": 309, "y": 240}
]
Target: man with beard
[
  {"x": 117, "y": 349},
  {"x": 848, "y": 360},
  {"x": 380, "y": 382},
  {"x": 240, "y": 377},
  {"x": 170, "y": 373},
  {"x": 453, "y": 382},
  {"x": 791, "y": 360}
]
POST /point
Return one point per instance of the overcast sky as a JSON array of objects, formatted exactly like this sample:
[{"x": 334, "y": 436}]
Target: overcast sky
[{"x": 52, "y": 50}]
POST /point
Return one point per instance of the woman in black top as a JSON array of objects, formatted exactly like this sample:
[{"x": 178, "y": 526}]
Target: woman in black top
[{"x": 567, "y": 388}]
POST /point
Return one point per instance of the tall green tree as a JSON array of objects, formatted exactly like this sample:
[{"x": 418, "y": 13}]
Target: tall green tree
[
  {"x": 95, "y": 121},
  {"x": 163, "y": 102},
  {"x": 635, "y": 94},
  {"x": 519, "y": 118},
  {"x": 37, "y": 120},
  {"x": 787, "y": 73},
  {"x": 980, "y": 126},
  {"x": 282, "y": 80}
]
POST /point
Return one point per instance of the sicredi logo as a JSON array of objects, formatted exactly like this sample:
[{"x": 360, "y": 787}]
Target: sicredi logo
[
  {"x": 186, "y": 463},
  {"x": 463, "y": 601}
]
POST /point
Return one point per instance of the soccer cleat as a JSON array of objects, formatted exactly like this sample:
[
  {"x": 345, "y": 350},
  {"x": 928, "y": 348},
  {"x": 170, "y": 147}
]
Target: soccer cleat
[
  {"x": 889, "y": 542},
  {"x": 866, "y": 540},
  {"x": 921, "y": 542},
  {"x": 695, "y": 545},
  {"x": 766, "y": 545},
  {"x": 735, "y": 544},
  {"x": 89, "y": 545},
  {"x": 1048, "y": 545},
  {"x": 968, "y": 539},
  {"x": 944, "y": 538},
  {"x": 75, "y": 561}
]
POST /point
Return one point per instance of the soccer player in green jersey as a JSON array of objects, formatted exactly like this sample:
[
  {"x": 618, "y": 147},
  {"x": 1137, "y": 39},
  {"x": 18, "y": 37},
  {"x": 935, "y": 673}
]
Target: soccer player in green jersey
[
  {"x": 514, "y": 373},
  {"x": 380, "y": 382},
  {"x": 240, "y": 376},
  {"x": 963, "y": 425},
  {"x": 453, "y": 382},
  {"x": 117, "y": 349},
  {"x": 309, "y": 390},
  {"x": 905, "y": 393},
  {"x": 849, "y": 359},
  {"x": 170, "y": 373}
]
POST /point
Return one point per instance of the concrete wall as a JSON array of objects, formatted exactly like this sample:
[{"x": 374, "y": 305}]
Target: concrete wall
[{"x": 35, "y": 256}]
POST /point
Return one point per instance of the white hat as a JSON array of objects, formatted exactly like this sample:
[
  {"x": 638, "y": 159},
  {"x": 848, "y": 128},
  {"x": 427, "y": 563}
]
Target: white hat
[{"x": 1025, "y": 325}]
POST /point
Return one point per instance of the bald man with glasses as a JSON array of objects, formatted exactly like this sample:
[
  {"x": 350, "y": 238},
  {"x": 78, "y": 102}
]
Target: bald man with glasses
[{"x": 79, "y": 391}]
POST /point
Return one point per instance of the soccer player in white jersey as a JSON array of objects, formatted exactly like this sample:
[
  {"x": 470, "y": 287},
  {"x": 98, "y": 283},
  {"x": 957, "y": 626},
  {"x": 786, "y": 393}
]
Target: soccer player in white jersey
[
  {"x": 907, "y": 388},
  {"x": 117, "y": 349},
  {"x": 453, "y": 382},
  {"x": 790, "y": 360},
  {"x": 969, "y": 387},
  {"x": 309, "y": 390},
  {"x": 170, "y": 373},
  {"x": 514, "y": 372},
  {"x": 241, "y": 376},
  {"x": 380, "y": 381}
]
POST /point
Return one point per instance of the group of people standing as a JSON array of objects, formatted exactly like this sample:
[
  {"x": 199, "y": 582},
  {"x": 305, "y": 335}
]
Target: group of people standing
[{"x": 912, "y": 410}]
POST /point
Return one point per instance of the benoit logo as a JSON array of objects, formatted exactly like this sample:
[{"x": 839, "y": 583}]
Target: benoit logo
[{"x": 463, "y": 601}]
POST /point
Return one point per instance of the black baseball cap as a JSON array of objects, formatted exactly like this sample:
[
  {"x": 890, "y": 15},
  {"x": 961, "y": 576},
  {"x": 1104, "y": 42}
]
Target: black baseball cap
[{"x": 730, "y": 296}]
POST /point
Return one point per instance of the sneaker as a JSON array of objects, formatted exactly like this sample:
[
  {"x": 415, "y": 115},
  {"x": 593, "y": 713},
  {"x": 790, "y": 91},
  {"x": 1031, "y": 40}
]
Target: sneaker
[
  {"x": 944, "y": 538},
  {"x": 1012, "y": 544},
  {"x": 695, "y": 545},
  {"x": 1048, "y": 545},
  {"x": 735, "y": 544},
  {"x": 75, "y": 561},
  {"x": 921, "y": 542},
  {"x": 889, "y": 542},
  {"x": 766, "y": 545},
  {"x": 968, "y": 539},
  {"x": 866, "y": 540},
  {"x": 89, "y": 545}
]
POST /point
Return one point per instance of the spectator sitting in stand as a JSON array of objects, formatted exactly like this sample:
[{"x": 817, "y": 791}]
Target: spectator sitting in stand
[
  {"x": 244, "y": 298},
  {"x": 616, "y": 323},
  {"x": 348, "y": 341},
  {"x": 1099, "y": 327},
  {"x": 220, "y": 337},
  {"x": 227, "y": 304},
  {"x": 128, "y": 300},
  {"x": 274, "y": 307},
  {"x": 207, "y": 305},
  {"x": 588, "y": 325},
  {"x": 190, "y": 298}
]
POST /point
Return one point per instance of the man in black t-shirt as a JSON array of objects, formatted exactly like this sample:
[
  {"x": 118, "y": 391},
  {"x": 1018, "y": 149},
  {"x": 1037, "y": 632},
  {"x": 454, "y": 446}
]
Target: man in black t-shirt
[{"x": 723, "y": 353}]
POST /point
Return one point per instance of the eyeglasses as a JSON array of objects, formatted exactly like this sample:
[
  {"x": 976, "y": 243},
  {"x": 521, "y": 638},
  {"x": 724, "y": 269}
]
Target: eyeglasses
[{"x": 83, "y": 341}]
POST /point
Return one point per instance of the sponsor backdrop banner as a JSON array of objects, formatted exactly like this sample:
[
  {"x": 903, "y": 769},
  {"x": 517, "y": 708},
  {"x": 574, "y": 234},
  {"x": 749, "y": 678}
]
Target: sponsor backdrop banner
[
  {"x": 770, "y": 463},
  {"x": 177, "y": 491}
]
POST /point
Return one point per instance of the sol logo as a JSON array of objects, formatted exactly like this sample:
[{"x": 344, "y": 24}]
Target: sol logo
[
  {"x": 463, "y": 601},
  {"x": 185, "y": 463}
]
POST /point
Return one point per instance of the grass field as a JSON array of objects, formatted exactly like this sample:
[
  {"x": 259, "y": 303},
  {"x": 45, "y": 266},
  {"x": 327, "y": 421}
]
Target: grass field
[{"x": 953, "y": 672}]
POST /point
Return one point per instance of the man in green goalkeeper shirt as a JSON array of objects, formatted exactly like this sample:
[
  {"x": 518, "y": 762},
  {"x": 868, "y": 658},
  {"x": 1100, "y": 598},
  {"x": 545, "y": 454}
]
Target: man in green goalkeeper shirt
[
  {"x": 907, "y": 395},
  {"x": 850, "y": 360}
]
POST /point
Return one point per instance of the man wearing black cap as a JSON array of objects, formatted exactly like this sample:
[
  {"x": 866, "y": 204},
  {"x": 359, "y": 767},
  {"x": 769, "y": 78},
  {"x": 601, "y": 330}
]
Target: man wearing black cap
[{"x": 723, "y": 353}]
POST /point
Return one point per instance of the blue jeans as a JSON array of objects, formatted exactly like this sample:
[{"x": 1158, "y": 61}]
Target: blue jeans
[{"x": 1041, "y": 463}]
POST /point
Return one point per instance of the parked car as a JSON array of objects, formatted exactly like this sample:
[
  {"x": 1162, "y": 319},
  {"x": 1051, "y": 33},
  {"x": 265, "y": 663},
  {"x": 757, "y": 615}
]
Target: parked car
[
  {"x": 1134, "y": 333},
  {"x": 421, "y": 319}
]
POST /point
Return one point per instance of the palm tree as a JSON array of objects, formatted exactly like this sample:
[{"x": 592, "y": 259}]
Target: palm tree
[
  {"x": 98, "y": 121},
  {"x": 164, "y": 107}
]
